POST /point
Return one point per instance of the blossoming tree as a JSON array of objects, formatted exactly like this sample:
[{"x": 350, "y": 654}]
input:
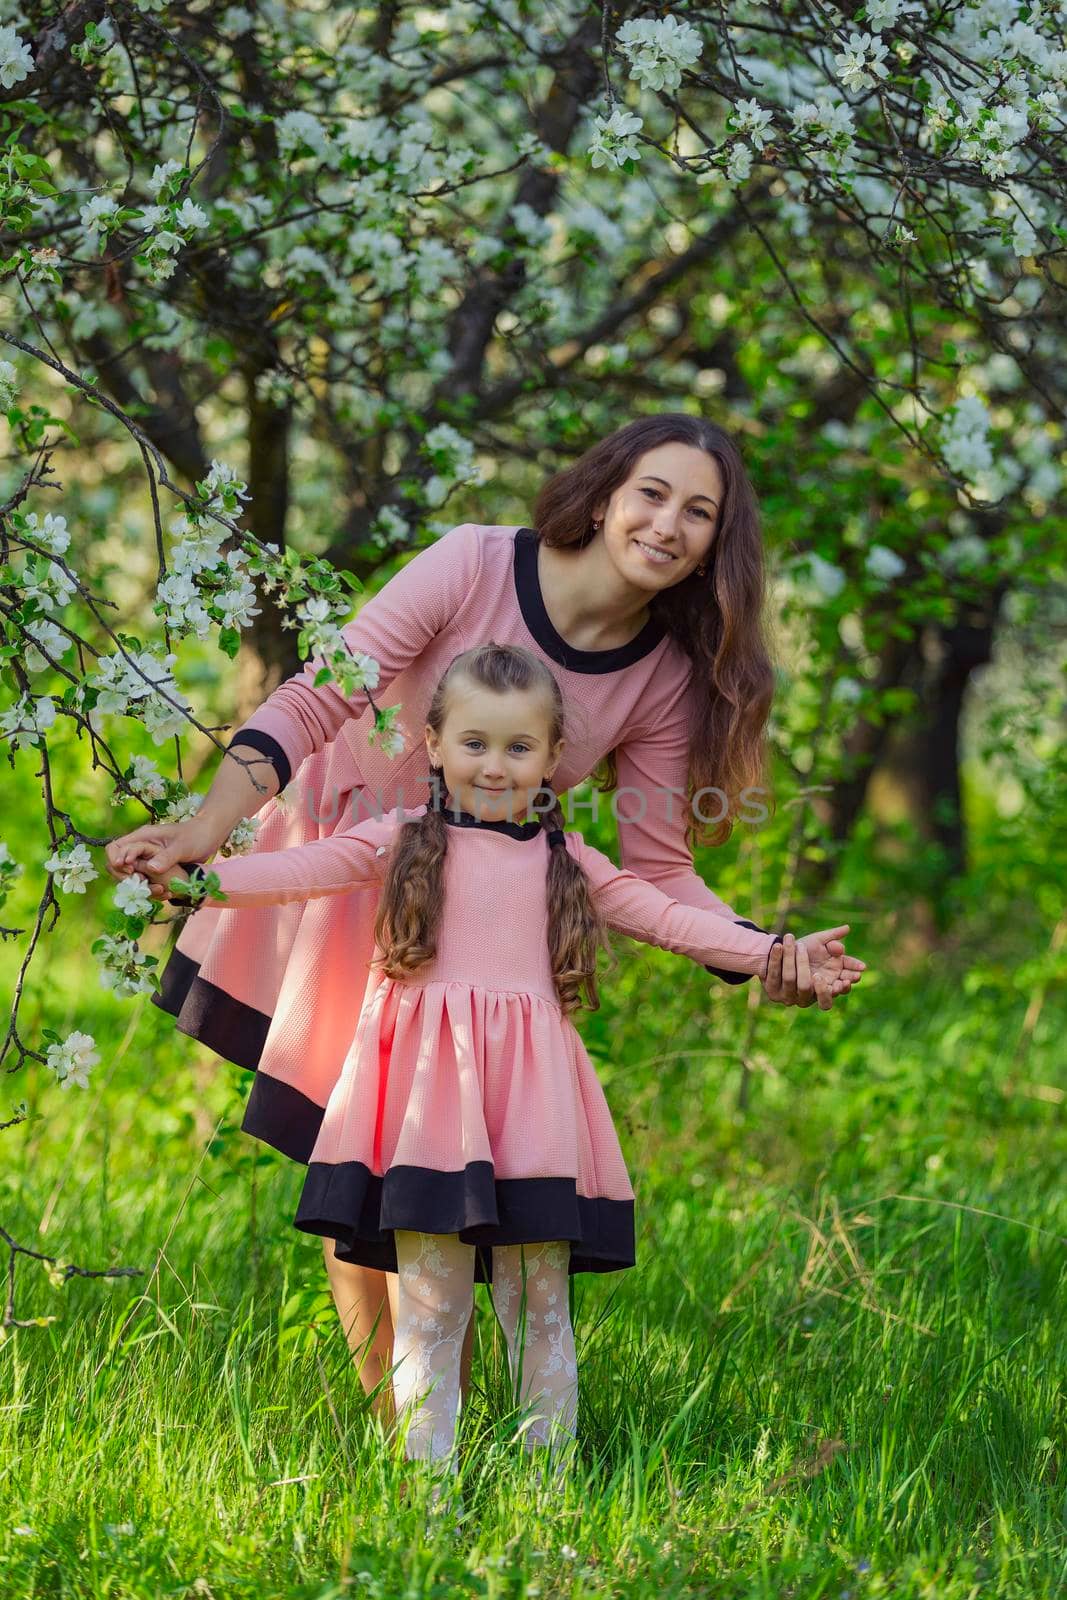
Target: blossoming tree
[{"x": 386, "y": 250}]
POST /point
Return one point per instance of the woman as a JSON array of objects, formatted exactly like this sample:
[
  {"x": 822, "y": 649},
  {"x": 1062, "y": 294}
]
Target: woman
[{"x": 642, "y": 587}]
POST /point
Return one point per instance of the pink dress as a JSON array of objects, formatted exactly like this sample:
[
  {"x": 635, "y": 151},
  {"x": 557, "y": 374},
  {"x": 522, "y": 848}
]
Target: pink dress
[
  {"x": 466, "y": 1102},
  {"x": 277, "y": 989}
]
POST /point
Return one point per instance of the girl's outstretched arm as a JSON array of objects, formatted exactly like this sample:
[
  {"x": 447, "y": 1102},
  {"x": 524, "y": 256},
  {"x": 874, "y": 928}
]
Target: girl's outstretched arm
[
  {"x": 632, "y": 906},
  {"x": 346, "y": 861}
]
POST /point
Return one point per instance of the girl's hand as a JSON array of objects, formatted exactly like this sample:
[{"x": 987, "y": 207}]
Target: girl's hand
[
  {"x": 163, "y": 885},
  {"x": 801, "y": 971},
  {"x": 158, "y": 846}
]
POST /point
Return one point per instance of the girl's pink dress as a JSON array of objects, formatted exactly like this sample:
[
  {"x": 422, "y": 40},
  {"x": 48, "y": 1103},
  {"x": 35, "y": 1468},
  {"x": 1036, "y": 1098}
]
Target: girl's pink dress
[
  {"x": 277, "y": 989},
  {"x": 466, "y": 1102}
]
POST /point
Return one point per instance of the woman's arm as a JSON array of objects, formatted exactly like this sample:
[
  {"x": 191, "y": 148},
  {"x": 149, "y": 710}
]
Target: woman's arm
[
  {"x": 393, "y": 628},
  {"x": 653, "y": 770},
  {"x": 635, "y": 907},
  {"x": 337, "y": 865}
]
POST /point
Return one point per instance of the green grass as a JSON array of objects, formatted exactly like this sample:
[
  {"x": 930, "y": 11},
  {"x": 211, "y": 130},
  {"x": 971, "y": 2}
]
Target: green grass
[{"x": 836, "y": 1370}]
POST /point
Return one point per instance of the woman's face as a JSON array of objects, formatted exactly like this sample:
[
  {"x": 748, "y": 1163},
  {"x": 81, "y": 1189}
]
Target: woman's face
[
  {"x": 494, "y": 748},
  {"x": 660, "y": 524}
]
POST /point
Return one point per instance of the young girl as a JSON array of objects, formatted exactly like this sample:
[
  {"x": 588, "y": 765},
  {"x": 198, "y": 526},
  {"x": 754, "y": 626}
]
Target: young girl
[{"x": 468, "y": 1138}]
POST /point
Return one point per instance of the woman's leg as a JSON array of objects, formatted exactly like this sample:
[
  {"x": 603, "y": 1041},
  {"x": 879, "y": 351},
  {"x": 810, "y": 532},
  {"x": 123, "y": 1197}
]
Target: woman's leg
[
  {"x": 434, "y": 1304},
  {"x": 361, "y": 1294},
  {"x": 530, "y": 1297}
]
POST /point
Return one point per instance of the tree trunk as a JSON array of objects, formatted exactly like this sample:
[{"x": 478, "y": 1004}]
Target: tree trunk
[
  {"x": 923, "y": 759},
  {"x": 268, "y": 651}
]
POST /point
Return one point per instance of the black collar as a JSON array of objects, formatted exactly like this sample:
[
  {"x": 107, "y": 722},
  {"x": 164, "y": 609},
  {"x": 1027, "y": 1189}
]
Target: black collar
[
  {"x": 535, "y": 615},
  {"x": 514, "y": 830}
]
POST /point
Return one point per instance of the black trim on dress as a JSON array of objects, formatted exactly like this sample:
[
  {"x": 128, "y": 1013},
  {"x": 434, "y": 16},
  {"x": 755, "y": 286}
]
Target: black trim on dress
[
  {"x": 536, "y": 617},
  {"x": 235, "y": 1031},
  {"x": 741, "y": 977},
  {"x": 269, "y": 747},
  {"x": 514, "y": 830},
  {"x": 349, "y": 1203}
]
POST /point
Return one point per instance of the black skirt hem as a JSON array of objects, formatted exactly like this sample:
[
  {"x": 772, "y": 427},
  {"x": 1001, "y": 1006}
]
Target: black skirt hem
[
  {"x": 235, "y": 1031},
  {"x": 361, "y": 1210}
]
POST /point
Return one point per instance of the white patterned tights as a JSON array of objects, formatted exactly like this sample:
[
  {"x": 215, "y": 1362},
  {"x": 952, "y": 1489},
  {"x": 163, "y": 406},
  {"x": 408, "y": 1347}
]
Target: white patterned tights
[{"x": 435, "y": 1301}]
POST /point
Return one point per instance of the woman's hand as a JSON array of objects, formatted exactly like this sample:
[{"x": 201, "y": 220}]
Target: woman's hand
[
  {"x": 801, "y": 971},
  {"x": 158, "y": 846}
]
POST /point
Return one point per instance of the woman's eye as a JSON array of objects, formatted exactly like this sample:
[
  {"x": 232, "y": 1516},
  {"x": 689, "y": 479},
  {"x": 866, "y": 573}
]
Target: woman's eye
[{"x": 657, "y": 496}]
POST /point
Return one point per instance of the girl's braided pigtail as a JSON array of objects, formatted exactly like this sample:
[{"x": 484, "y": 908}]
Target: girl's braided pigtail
[
  {"x": 575, "y": 929},
  {"x": 413, "y": 894}
]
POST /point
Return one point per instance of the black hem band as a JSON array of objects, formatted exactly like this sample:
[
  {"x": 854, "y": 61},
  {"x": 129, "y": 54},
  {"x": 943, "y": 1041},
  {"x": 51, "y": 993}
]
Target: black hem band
[
  {"x": 360, "y": 1211},
  {"x": 235, "y": 1031}
]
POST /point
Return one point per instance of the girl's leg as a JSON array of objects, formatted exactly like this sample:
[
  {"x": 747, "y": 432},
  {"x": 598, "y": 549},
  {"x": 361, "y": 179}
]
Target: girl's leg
[
  {"x": 361, "y": 1294},
  {"x": 435, "y": 1299},
  {"x": 530, "y": 1297}
]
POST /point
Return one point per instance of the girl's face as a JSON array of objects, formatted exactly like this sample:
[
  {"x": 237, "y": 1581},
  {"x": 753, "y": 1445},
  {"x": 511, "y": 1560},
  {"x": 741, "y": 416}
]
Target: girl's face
[
  {"x": 660, "y": 524},
  {"x": 494, "y": 749}
]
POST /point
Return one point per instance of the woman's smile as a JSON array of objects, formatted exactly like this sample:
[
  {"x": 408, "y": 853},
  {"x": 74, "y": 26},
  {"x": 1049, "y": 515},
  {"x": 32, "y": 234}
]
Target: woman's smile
[{"x": 655, "y": 553}]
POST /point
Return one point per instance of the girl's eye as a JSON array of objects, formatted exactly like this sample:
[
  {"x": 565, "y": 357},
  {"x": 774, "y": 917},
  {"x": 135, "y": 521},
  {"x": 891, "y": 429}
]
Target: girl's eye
[
  {"x": 523, "y": 747},
  {"x": 657, "y": 496}
]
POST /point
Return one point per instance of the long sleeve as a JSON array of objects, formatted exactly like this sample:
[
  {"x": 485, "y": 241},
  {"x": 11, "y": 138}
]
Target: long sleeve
[
  {"x": 632, "y": 906},
  {"x": 393, "y": 628},
  {"x": 653, "y": 769},
  {"x": 339, "y": 864}
]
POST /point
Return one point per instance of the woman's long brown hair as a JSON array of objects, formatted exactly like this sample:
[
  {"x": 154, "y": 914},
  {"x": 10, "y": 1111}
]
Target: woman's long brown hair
[
  {"x": 717, "y": 619},
  {"x": 412, "y": 898}
]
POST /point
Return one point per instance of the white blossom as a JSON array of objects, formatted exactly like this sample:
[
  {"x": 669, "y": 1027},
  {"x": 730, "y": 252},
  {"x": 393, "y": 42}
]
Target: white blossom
[
  {"x": 882, "y": 13},
  {"x": 26, "y": 719},
  {"x": 52, "y": 589},
  {"x": 223, "y": 479},
  {"x": 16, "y": 58},
  {"x": 162, "y": 719},
  {"x": 199, "y": 552},
  {"x": 613, "y": 138},
  {"x": 966, "y": 551},
  {"x": 133, "y": 896},
  {"x": 123, "y": 967},
  {"x": 298, "y": 128},
  {"x": 964, "y": 437},
  {"x": 242, "y": 837},
  {"x": 883, "y": 563},
  {"x": 236, "y": 603},
  {"x": 93, "y": 212},
  {"x": 52, "y": 532},
  {"x": 8, "y": 385},
  {"x": 752, "y": 119},
  {"x": 739, "y": 163},
  {"x": 146, "y": 780},
  {"x": 847, "y": 691},
  {"x": 828, "y": 579},
  {"x": 862, "y": 61},
  {"x": 52, "y": 640},
  {"x": 190, "y": 215},
  {"x": 73, "y": 1060},
  {"x": 162, "y": 174},
  {"x": 236, "y": 20},
  {"x": 182, "y": 808},
  {"x": 658, "y": 50},
  {"x": 73, "y": 868}
]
